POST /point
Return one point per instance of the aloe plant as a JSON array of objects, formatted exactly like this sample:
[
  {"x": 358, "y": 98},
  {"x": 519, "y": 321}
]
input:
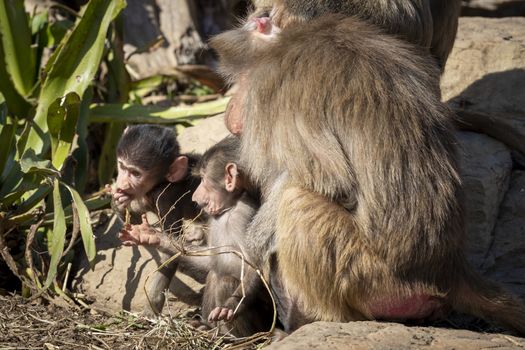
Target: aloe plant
[{"x": 40, "y": 114}]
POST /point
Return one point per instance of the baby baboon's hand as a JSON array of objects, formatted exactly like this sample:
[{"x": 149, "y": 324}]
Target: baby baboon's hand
[
  {"x": 220, "y": 314},
  {"x": 120, "y": 198},
  {"x": 143, "y": 234}
]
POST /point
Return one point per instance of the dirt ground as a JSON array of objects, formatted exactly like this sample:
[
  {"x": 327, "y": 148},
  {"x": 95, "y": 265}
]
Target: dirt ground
[
  {"x": 36, "y": 325},
  {"x": 26, "y": 324}
]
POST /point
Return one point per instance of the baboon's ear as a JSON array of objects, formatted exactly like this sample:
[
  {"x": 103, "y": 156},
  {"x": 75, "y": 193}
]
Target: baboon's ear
[
  {"x": 231, "y": 180},
  {"x": 178, "y": 169}
]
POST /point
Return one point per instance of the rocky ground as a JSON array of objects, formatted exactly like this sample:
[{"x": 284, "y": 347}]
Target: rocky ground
[{"x": 383, "y": 336}]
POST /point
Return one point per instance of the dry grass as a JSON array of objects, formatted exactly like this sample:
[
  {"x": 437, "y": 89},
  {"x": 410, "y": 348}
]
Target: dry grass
[{"x": 33, "y": 325}]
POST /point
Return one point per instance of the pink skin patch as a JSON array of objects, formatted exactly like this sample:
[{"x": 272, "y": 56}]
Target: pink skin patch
[
  {"x": 263, "y": 24},
  {"x": 414, "y": 307}
]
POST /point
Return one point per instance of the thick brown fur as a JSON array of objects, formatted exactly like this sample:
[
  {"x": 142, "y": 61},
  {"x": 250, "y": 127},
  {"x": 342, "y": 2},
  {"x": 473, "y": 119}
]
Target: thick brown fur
[
  {"x": 345, "y": 133},
  {"x": 431, "y": 24}
]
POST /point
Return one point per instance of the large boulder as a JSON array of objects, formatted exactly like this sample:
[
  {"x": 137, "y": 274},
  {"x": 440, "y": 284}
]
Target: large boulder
[
  {"x": 486, "y": 67},
  {"x": 205, "y": 133},
  {"x": 161, "y": 34},
  {"x": 506, "y": 261},
  {"x": 485, "y": 74},
  {"x": 485, "y": 77},
  {"x": 390, "y": 336},
  {"x": 485, "y": 169}
]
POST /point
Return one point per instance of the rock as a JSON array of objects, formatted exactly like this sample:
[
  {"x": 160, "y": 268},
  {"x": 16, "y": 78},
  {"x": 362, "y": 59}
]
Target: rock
[
  {"x": 509, "y": 233},
  {"x": 508, "y": 248},
  {"x": 117, "y": 280},
  {"x": 149, "y": 20},
  {"x": 485, "y": 169},
  {"x": 493, "y": 8},
  {"x": 486, "y": 67},
  {"x": 183, "y": 28},
  {"x": 203, "y": 135},
  {"x": 379, "y": 336},
  {"x": 519, "y": 159},
  {"x": 485, "y": 73}
]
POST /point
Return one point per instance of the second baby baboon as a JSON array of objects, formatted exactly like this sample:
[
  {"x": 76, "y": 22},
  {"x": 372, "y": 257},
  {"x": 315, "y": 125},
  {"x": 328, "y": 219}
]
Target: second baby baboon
[
  {"x": 431, "y": 24},
  {"x": 154, "y": 176},
  {"x": 355, "y": 154},
  {"x": 226, "y": 195}
]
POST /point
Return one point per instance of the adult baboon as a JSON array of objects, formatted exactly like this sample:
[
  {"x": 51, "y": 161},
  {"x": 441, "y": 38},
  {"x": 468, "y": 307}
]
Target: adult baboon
[{"x": 342, "y": 128}]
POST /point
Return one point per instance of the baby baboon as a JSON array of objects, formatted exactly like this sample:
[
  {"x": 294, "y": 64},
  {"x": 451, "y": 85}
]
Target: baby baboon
[
  {"x": 343, "y": 129},
  {"x": 225, "y": 194},
  {"x": 154, "y": 176}
]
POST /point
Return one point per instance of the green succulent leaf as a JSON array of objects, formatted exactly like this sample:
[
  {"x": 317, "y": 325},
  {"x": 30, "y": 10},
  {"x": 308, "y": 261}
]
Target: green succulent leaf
[
  {"x": 58, "y": 235},
  {"x": 24, "y": 178},
  {"x": 125, "y": 113},
  {"x": 16, "y": 43},
  {"x": 31, "y": 163},
  {"x": 142, "y": 87},
  {"x": 38, "y": 22},
  {"x": 34, "y": 199},
  {"x": 62, "y": 122},
  {"x": 57, "y": 31},
  {"x": 22, "y": 140},
  {"x": 74, "y": 64},
  {"x": 16, "y": 103},
  {"x": 85, "y": 225}
]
